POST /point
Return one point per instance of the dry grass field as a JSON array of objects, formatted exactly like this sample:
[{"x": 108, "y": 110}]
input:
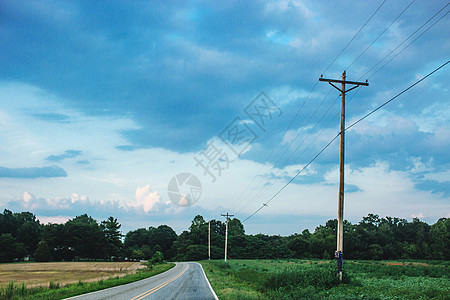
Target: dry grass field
[{"x": 39, "y": 274}]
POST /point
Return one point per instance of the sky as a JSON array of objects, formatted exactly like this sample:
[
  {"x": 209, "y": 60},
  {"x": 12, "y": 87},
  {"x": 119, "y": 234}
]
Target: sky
[{"x": 156, "y": 111}]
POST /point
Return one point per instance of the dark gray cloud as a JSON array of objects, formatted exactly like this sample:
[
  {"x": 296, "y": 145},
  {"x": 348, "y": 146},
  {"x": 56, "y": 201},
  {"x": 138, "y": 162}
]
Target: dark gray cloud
[
  {"x": 66, "y": 154},
  {"x": 187, "y": 70},
  {"x": 53, "y": 171}
]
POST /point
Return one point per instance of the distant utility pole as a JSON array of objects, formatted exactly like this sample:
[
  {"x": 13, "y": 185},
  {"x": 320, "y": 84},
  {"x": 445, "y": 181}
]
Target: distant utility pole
[
  {"x": 340, "y": 229},
  {"x": 226, "y": 234},
  {"x": 209, "y": 240}
]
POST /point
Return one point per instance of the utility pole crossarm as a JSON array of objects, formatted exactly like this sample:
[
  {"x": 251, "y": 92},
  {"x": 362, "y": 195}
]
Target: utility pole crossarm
[{"x": 344, "y": 81}]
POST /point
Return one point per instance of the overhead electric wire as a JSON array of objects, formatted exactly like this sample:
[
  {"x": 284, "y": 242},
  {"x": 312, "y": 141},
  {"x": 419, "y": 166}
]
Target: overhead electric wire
[
  {"x": 396, "y": 96},
  {"x": 279, "y": 142},
  {"x": 347, "y": 128},
  {"x": 356, "y": 34},
  {"x": 380, "y": 34},
  {"x": 292, "y": 179},
  {"x": 310, "y": 144},
  {"x": 286, "y": 150},
  {"x": 403, "y": 42},
  {"x": 392, "y": 58}
]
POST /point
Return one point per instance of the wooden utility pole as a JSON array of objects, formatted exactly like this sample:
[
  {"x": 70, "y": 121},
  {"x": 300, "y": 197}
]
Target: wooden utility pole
[
  {"x": 340, "y": 229},
  {"x": 209, "y": 240},
  {"x": 226, "y": 234}
]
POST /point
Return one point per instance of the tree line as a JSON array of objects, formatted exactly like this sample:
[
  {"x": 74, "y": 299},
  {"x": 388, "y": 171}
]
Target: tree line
[{"x": 373, "y": 238}]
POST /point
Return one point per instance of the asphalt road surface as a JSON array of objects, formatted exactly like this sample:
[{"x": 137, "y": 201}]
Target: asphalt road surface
[{"x": 184, "y": 281}]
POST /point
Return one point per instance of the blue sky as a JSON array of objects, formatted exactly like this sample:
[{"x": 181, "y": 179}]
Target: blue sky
[{"x": 104, "y": 102}]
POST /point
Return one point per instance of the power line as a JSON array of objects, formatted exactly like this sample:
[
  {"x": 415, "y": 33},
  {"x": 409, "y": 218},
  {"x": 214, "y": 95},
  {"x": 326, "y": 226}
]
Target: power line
[
  {"x": 347, "y": 128},
  {"x": 297, "y": 148},
  {"x": 310, "y": 144},
  {"x": 362, "y": 27},
  {"x": 403, "y": 42},
  {"x": 380, "y": 34},
  {"x": 292, "y": 179},
  {"x": 407, "y": 46},
  {"x": 245, "y": 203},
  {"x": 393, "y": 98},
  {"x": 279, "y": 142},
  {"x": 287, "y": 149}
]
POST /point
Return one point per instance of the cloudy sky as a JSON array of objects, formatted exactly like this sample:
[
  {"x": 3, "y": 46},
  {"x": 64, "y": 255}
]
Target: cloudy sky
[{"x": 103, "y": 103}]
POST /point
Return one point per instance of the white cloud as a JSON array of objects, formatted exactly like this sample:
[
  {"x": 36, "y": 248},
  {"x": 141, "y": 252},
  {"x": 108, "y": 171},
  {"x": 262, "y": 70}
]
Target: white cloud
[
  {"x": 388, "y": 192},
  {"x": 53, "y": 220},
  {"x": 146, "y": 199},
  {"x": 419, "y": 215},
  {"x": 27, "y": 197},
  {"x": 287, "y": 5},
  {"x": 443, "y": 176},
  {"x": 287, "y": 94},
  {"x": 419, "y": 166}
]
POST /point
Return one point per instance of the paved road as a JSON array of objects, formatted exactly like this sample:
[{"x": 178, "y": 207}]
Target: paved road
[{"x": 184, "y": 281}]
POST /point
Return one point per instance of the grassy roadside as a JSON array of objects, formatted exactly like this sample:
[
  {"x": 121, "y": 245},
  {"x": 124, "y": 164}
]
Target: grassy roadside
[
  {"x": 55, "y": 291},
  {"x": 315, "y": 279}
]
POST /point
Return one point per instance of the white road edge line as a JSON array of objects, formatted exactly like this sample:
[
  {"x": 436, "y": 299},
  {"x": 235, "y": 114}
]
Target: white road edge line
[{"x": 212, "y": 290}]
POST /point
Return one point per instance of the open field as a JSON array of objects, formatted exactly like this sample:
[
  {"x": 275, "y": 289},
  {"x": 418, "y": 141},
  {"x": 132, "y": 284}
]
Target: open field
[
  {"x": 296, "y": 279},
  {"x": 36, "y": 274},
  {"x": 97, "y": 276}
]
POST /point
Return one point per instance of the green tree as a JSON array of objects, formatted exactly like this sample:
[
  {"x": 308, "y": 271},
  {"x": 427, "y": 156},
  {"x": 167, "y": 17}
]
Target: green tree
[
  {"x": 10, "y": 248},
  {"x": 376, "y": 251},
  {"x": 86, "y": 237},
  {"x": 440, "y": 239},
  {"x": 28, "y": 232},
  {"x": 179, "y": 247},
  {"x": 8, "y": 223},
  {"x": 137, "y": 254},
  {"x": 301, "y": 246},
  {"x": 157, "y": 258},
  {"x": 196, "y": 252},
  {"x": 163, "y": 236},
  {"x": 113, "y": 236},
  {"x": 199, "y": 231},
  {"x": 136, "y": 238},
  {"x": 42, "y": 253},
  {"x": 148, "y": 252},
  {"x": 57, "y": 240},
  {"x": 235, "y": 228}
]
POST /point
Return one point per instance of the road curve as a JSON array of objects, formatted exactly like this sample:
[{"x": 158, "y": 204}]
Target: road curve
[{"x": 184, "y": 281}]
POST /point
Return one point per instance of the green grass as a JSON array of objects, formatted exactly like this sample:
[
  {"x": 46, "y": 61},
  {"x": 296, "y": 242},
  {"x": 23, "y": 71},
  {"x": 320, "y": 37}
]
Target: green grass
[
  {"x": 315, "y": 279},
  {"x": 55, "y": 291}
]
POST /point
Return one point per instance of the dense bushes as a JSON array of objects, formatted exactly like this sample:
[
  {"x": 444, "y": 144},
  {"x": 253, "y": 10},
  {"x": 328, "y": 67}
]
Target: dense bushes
[{"x": 323, "y": 278}]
